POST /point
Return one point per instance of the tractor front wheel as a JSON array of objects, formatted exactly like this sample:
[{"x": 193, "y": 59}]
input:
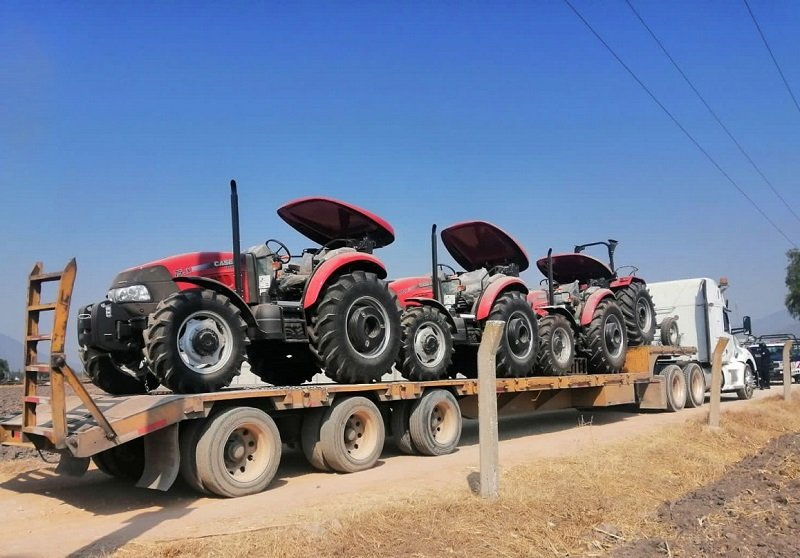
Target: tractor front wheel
[
  {"x": 556, "y": 345},
  {"x": 605, "y": 339},
  {"x": 113, "y": 378},
  {"x": 426, "y": 350},
  {"x": 519, "y": 345}
]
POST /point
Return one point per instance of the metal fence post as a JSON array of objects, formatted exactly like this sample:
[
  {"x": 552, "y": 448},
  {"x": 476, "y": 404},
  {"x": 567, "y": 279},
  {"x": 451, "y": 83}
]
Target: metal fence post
[
  {"x": 787, "y": 370},
  {"x": 487, "y": 409},
  {"x": 716, "y": 382}
]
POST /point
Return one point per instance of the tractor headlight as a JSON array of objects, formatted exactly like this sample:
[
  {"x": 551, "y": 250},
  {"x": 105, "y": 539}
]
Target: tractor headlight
[{"x": 134, "y": 293}]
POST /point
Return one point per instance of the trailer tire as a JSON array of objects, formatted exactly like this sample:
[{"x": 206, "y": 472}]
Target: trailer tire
[
  {"x": 556, "y": 345},
  {"x": 105, "y": 373},
  {"x": 238, "y": 452},
  {"x": 639, "y": 312},
  {"x": 124, "y": 462},
  {"x": 189, "y": 434},
  {"x": 352, "y": 434},
  {"x": 309, "y": 438},
  {"x": 182, "y": 333},
  {"x": 695, "y": 385},
  {"x": 746, "y": 392},
  {"x": 355, "y": 311},
  {"x": 401, "y": 432},
  {"x": 606, "y": 339},
  {"x": 435, "y": 423},
  {"x": 675, "y": 386},
  {"x": 426, "y": 349},
  {"x": 519, "y": 345}
]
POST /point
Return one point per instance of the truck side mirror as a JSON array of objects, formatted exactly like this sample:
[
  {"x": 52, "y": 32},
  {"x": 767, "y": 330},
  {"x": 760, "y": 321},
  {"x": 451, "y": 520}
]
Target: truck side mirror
[{"x": 748, "y": 329}]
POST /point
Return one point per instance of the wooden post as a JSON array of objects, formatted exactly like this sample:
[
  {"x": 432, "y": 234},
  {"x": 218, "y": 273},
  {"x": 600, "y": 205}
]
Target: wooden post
[
  {"x": 787, "y": 370},
  {"x": 487, "y": 409},
  {"x": 716, "y": 382}
]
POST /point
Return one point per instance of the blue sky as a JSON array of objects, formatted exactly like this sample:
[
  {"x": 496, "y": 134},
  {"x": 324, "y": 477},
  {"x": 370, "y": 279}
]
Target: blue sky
[{"x": 121, "y": 124}]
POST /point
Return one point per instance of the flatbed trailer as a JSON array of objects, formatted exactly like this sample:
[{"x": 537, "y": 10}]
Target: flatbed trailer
[{"x": 229, "y": 442}]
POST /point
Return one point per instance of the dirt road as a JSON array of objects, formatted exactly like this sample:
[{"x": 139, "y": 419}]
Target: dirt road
[{"x": 47, "y": 515}]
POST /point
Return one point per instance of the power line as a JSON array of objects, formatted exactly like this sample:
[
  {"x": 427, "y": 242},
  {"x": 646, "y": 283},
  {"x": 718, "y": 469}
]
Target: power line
[
  {"x": 678, "y": 124},
  {"x": 774, "y": 60},
  {"x": 710, "y": 110}
]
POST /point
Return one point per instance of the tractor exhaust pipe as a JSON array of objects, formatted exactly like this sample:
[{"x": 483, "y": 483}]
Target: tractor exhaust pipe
[
  {"x": 237, "y": 256},
  {"x": 550, "y": 294},
  {"x": 612, "y": 245},
  {"x": 435, "y": 265}
]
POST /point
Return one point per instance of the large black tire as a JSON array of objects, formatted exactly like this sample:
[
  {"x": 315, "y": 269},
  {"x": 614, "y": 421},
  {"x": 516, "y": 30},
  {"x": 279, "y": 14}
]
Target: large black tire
[
  {"x": 639, "y": 312},
  {"x": 355, "y": 330},
  {"x": 124, "y": 462},
  {"x": 556, "y": 345},
  {"x": 282, "y": 364},
  {"x": 746, "y": 392},
  {"x": 105, "y": 373},
  {"x": 435, "y": 423},
  {"x": 195, "y": 341},
  {"x": 238, "y": 452},
  {"x": 352, "y": 434},
  {"x": 426, "y": 349},
  {"x": 605, "y": 340},
  {"x": 519, "y": 346}
]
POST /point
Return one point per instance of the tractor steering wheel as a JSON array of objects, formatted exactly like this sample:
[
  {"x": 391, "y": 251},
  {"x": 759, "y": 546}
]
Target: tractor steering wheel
[
  {"x": 276, "y": 253},
  {"x": 543, "y": 283},
  {"x": 447, "y": 268}
]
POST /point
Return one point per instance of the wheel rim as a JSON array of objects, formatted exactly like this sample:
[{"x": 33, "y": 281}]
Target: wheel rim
[
  {"x": 613, "y": 336},
  {"x": 519, "y": 335},
  {"x": 644, "y": 314},
  {"x": 561, "y": 346},
  {"x": 678, "y": 389},
  {"x": 246, "y": 453},
  {"x": 429, "y": 344},
  {"x": 673, "y": 334},
  {"x": 443, "y": 423},
  {"x": 360, "y": 435},
  {"x": 697, "y": 387},
  {"x": 368, "y": 327},
  {"x": 205, "y": 342}
]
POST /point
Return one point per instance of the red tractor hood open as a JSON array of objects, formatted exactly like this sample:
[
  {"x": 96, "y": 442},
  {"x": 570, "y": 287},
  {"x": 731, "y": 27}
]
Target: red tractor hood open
[
  {"x": 477, "y": 244},
  {"x": 325, "y": 219},
  {"x": 575, "y": 267}
]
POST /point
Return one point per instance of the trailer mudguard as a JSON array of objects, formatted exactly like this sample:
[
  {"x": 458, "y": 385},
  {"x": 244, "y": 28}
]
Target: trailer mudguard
[
  {"x": 341, "y": 263},
  {"x": 494, "y": 290},
  {"x": 221, "y": 288},
  {"x": 625, "y": 281},
  {"x": 420, "y": 301},
  {"x": 591, "y": 304}
]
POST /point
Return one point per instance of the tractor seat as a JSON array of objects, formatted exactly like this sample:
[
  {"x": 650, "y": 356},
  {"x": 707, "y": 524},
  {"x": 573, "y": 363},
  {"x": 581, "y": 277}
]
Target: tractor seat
[{"x": 473, "y": 282}]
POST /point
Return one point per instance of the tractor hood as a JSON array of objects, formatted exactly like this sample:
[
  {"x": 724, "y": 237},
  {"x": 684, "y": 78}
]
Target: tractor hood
[
  {"x": 325, "y": 219},
  {"x": 575, "y": 267},
  {"x": 477, "y": 244}
]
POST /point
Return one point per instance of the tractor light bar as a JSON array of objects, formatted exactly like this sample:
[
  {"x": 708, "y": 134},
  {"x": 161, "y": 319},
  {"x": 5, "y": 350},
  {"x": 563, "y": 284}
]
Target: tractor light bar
[{"x": 133, "y": 293}]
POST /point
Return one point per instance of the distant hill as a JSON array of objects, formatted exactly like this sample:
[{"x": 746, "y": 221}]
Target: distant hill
[
  {"x": 777, "y": 322},
  {"x": 11, "y": 350}
]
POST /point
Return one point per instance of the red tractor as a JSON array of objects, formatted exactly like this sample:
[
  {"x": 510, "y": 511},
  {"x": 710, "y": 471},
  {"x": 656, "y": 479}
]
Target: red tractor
[
  {"x": 190, "y": 321},
  {"x": 589, "y": 302},
  {"x": 445, "y": 312}
]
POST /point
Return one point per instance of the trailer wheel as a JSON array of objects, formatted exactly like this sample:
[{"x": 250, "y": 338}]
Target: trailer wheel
[
  {"x": 435, "y": 423},
  {"x": 426, "y": 350},
  {"x": 401, "y": 431},
  {"x": 746, "y": 392},
  {"x": 695, "y": 385},
  {"x": 352, "y": 434},
  {"x": 675, "y": 385},
  {"x": 639, "y": 312},
  {"x": 606, "y": 339},
  {"x": 309, "y": 438},
  {"x": 189, "y": 434},
  {"x": 112, "y": 378},
  {"x": 195, "y": 342},
  {"x": 670, "y": 334},
  {"x": 238, "y": 452},
  {"x": 355, "y": 330},
  {"x": 556, "y": 345},
  {"x": 519, "y": 345},
  {"x": 124, "y": 462}
]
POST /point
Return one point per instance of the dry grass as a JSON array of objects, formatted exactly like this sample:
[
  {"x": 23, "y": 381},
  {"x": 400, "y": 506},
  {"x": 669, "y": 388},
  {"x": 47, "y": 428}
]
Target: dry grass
[{"x": 553, "y": 507}]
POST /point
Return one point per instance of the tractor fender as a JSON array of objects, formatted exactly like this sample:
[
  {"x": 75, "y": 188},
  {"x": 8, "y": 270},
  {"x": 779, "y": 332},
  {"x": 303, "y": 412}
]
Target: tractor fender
[
  {"x": 591, "y": 304},
  {"x": 625, "y": 281},
  {"x": 224, "y": 290},
  {"x": 551, "y": 310},
  {"x": 337, "y": 265},
  {"x": 494, "y": 290},
  {"x": 420, "y": 301}
]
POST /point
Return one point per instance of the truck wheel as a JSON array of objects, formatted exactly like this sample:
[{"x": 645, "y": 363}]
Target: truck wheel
[
  {"x": 401, "y": 431},
  {"x": 639, "y": 312},
  {"x": 556, "y": 345},
  {"x": 670, "y": 334},
  {"x": 281, "y": 365},
  {"x": 606, "y": 339},
  {"x": 746, "y": 392},
  {"x": 195, "y": 341},
  {"x": 675, "y": 385},
  {"x": 352, "y": 435},
  {"x": 189, "y": 434},
  {"x": 695, "y": 385},
  {"x": 356, "y": 329},
  {"x": 112, "y": 378},
  {"x": 124, "y": 462},
  {"x": 519, "y": 344},
  {"x": 238, "y": 452},
  {"x": 309, "y": 438},
  {"x": 435, "y": 423},
  {"x": 426, "y": 349}
]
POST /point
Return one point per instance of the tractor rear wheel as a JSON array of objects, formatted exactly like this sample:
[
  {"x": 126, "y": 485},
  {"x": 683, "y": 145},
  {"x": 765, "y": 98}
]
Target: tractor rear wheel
[
  {"x": 556, "y": 345},
  {"x": 112, "y": 378},
  {"x": 195, "y": 341},
  {"x": 639, "y": 312},
  {"x": 519, "y": 345},
  {"x": 355, "y": 330},
  {"x": 605, "y": 339},
  {"x": 280, "y": 364},
  {"x": 426, "y": 350}
]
